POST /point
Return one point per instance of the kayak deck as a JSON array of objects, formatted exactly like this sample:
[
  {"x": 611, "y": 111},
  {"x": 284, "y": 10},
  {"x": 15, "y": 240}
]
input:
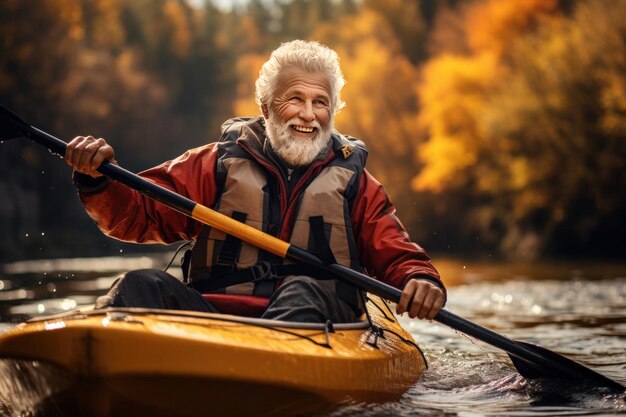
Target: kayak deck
[{"x": 155, "y": 362}]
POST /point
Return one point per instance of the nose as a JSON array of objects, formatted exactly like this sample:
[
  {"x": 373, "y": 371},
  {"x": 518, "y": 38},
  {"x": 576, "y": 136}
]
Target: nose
[{"x": 306, "y": 111}]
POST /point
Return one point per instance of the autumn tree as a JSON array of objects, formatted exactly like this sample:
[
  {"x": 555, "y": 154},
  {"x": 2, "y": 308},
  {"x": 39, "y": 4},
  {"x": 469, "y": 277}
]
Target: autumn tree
[
  {"x": 143, "y": 74},
  {"x": 520, "y": 127}
]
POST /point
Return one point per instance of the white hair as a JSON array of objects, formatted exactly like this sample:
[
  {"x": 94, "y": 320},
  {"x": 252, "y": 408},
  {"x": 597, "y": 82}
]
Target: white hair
[{"x": 309, "y": 56}]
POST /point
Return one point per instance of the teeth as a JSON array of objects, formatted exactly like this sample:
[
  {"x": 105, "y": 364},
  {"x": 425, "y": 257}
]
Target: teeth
[{"x": 303, "y": 129}]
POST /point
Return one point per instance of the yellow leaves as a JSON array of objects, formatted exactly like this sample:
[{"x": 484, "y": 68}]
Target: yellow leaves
[
  {"x": 453, "y": 97},
  {"x": 447, "y": 157},
  {"x": 531, "y": 119}
]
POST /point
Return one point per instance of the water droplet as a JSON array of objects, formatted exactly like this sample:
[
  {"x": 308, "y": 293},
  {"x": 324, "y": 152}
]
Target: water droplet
[
  {"x": 43, "y": 233},
  {"x": 26, "y": 234}
]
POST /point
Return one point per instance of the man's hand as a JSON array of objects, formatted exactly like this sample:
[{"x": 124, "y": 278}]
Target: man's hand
[
  {"x": 85, "y": 154},
  {"x": 421, "y": 299}
]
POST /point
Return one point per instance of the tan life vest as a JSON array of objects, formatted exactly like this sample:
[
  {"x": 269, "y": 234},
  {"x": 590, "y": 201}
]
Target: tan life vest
[{"x": 320, "y": 223}]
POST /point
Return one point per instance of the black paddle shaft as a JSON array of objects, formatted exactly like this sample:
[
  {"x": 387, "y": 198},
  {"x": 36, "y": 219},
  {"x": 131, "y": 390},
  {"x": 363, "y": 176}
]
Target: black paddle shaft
[
  {"x": 12, "y": 126},
  {"x": 530, "y": 360}
]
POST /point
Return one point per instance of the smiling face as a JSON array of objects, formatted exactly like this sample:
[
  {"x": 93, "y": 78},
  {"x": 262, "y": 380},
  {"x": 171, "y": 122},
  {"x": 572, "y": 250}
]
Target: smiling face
[{"x": 299, "y": 116}]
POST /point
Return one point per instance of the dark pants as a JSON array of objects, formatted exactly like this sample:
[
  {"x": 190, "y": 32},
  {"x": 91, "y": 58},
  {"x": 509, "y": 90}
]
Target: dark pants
[{"x": 302, "y": 299}]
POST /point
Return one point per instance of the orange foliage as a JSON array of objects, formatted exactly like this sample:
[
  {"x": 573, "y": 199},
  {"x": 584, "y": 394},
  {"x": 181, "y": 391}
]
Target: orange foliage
[
  {"x": 493, "y": 24},
  {"x": 530, "y": 120},
  {"x": 454, "y": 94}
]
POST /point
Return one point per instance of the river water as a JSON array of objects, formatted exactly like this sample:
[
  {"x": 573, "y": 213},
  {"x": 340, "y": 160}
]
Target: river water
[{"x": 577, "y": 309}]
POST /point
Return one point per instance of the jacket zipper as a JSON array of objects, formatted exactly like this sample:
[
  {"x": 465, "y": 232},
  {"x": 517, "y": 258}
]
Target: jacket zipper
[{"x": 287, "y": 221}]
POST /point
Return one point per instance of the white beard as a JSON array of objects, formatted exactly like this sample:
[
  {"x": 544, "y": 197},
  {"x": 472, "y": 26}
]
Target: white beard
[{"x": 294, "y": 151}]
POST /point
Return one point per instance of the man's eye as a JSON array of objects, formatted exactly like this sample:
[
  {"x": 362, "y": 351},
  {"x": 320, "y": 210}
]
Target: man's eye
[
  {"x": 320, "y": 103},
  {"x": 295, "y": 100}
]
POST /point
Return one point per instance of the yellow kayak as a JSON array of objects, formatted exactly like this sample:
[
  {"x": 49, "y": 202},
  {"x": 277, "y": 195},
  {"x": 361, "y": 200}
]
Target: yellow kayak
[{"x": 134, "y": 362}]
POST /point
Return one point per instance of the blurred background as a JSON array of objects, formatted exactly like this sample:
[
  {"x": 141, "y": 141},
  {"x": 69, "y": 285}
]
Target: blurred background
[{"x": 497, "y": 127}]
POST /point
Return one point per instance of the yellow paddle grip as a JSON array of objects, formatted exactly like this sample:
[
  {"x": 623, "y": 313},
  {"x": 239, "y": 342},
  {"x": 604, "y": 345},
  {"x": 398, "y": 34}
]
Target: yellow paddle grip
[{"x": 240, "y": 230}]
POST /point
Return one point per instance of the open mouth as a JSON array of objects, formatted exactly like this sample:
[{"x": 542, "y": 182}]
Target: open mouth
[{"x": 303, "y": 129}]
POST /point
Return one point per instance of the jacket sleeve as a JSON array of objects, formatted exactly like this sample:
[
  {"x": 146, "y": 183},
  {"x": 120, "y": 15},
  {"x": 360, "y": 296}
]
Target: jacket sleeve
[
  {"x": 384, "y": 245},
  {"x": 125, "y": 214}
]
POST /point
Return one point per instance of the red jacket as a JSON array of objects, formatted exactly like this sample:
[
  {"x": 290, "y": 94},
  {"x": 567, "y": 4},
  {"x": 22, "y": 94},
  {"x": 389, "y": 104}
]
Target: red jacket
[{"x": 384, "y": 246}]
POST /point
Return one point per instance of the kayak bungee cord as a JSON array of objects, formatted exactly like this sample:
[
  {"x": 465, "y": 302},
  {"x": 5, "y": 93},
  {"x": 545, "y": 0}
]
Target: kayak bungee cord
[
  {"x": 379, "y": 331},
  {"x": 381, "y": 310},
  {"x": 122, "y": 313},
  {"x": 531, "y": 361}
]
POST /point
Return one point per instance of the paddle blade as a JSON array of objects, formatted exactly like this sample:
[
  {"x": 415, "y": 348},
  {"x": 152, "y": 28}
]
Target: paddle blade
[
  {"x": 11, "y": 126},
  {"x": 558, "y": 366},
  {"x": 530, "y": 360}
]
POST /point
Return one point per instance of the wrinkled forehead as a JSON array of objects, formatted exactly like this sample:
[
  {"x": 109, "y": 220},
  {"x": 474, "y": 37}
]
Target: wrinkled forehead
[{"x": 294, "y": 79}]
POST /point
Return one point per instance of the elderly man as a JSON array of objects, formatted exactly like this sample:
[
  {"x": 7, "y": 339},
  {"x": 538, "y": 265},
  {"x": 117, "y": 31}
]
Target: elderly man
[{"x": 288, "y": 173}]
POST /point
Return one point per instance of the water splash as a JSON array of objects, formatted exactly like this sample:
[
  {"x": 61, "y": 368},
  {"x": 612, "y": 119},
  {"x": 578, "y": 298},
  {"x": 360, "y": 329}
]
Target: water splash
[{"x": 27, "y": 386}]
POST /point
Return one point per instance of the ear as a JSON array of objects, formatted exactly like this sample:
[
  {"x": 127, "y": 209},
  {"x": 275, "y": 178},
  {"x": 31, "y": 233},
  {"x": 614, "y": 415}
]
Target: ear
[{"x": 265, "y": 110}]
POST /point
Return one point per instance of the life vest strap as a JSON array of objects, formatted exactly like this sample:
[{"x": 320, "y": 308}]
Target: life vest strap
[{"x": 229, "y": 254}]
